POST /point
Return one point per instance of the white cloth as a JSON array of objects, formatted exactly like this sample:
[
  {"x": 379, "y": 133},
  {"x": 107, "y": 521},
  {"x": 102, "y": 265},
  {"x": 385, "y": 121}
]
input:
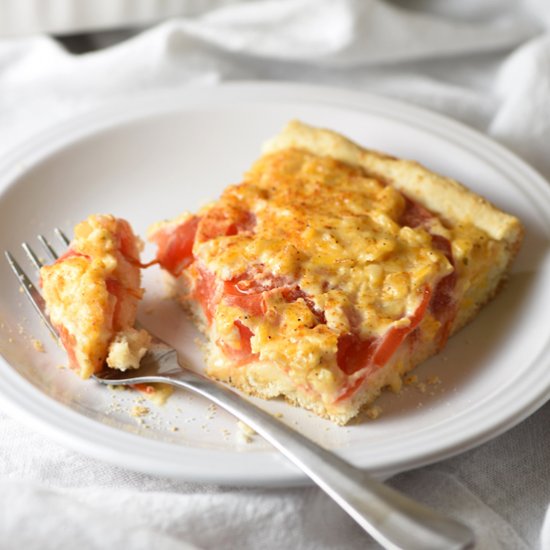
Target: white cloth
[{"x": 485, "y": 62}]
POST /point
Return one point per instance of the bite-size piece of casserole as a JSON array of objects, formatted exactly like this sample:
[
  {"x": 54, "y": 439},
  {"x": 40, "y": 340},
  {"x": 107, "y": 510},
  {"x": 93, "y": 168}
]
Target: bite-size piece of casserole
[{"x": 92, "y": 294}]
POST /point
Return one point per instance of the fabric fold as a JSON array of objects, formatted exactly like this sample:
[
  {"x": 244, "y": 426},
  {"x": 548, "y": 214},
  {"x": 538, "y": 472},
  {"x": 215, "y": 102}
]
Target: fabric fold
[{"x": 483, "y": 62}]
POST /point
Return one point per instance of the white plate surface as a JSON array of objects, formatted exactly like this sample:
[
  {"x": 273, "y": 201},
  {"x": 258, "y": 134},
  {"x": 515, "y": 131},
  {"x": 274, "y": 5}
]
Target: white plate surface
[{"x": 151, "y": 160}]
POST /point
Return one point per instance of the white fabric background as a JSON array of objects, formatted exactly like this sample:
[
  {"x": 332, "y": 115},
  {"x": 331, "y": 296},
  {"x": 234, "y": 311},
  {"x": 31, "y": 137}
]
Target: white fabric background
[{"x": 485, "y": 62}]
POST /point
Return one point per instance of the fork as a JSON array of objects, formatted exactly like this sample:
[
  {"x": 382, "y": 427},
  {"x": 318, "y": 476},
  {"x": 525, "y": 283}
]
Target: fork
[{"x": 392, "y": 519}]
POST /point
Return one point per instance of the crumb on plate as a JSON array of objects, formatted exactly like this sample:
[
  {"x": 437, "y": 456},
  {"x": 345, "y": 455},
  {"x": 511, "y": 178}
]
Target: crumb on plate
[
  {"x": 38, "y": 345},
  {"x": 139, "y": 410}
]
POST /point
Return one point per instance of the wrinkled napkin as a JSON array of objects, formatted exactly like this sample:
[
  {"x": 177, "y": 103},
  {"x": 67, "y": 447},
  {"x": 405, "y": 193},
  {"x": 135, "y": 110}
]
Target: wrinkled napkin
[{"x": 484, "y": 62}]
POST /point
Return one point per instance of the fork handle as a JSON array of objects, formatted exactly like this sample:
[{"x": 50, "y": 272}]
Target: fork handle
[{"x": 392, "y": 519}]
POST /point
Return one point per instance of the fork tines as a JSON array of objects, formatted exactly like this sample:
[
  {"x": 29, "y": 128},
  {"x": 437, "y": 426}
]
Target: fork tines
[{"x": 29, "y": 289}]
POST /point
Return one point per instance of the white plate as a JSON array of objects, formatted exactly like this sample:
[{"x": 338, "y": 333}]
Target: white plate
[{"x": 153, "y": 159}]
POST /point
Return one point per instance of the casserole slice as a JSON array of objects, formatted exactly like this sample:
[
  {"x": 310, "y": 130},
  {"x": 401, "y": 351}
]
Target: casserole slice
[{"x": 331, "y": 270}]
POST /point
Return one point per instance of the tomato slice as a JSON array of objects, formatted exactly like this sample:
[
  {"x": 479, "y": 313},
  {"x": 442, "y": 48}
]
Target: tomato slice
[
  {"x": 219, "y": 222},
  {"x": 251, "y": 303},
  {"x": 115, "y": 289},
  {"x": 293, "y": 293},
  {"x": 120, "y": 293},
  {"x": 254, "y": 283},
  {"x": 353, "y": 353},
  {"x": 69, "y": 344},
  {"x": 175, "y": 246},
  {"x": 395, "y": 336},
  {"x": 205, "y": 291},
  {"x": 126, "y": 240},
  {"x": 442, "y": 304},
  {"x": 247, "y": 292},
  {"x": 244, "y": 354},
  {"x": 414, "y": 214},
  {"x": 350, "y": 390}
]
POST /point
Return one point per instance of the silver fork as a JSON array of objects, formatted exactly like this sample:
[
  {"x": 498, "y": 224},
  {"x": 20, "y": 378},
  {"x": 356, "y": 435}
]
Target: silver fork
[{"x": 392, "y": 519}]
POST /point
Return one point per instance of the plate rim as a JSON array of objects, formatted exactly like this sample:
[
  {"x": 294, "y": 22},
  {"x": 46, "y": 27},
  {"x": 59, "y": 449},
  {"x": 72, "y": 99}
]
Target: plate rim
[{"x": 269, "y": 468}]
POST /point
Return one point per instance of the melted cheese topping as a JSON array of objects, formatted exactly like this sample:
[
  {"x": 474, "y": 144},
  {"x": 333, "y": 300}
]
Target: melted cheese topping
[
  {"x": 333, "y": 230},
  {"x": 92, "y": 292},
  {"x": 78, "y": 301},
  {"x": 329, "y": 228}
]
